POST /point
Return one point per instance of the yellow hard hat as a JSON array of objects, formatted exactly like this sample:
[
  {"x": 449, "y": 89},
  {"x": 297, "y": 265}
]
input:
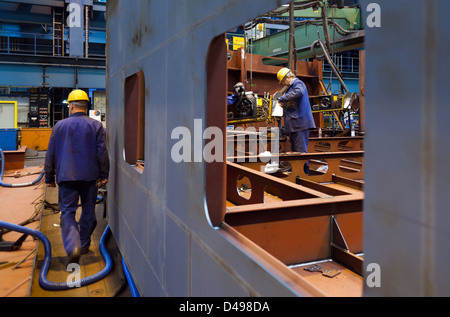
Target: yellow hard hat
[
  {"x": 77, "y": 95},
  {"x": 282, "y": 73}
]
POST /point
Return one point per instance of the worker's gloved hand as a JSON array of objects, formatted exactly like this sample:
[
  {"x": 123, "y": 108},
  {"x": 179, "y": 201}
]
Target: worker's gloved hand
[
  {"x": 103, "y": 182},
  {"x": 51, "y": 184}
]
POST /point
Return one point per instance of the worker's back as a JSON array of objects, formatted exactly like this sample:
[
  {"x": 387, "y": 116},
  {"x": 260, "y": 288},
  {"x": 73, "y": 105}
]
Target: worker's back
[{"x": 77, "y": 150}]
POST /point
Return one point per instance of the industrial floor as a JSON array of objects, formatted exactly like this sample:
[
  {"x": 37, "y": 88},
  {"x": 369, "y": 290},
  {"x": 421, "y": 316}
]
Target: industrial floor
[{"x": 19, "y": 269}]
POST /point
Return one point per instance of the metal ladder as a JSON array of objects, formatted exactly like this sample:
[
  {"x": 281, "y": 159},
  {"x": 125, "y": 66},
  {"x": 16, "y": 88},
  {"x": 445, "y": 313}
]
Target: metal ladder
[{"x": 58, "y": 31}]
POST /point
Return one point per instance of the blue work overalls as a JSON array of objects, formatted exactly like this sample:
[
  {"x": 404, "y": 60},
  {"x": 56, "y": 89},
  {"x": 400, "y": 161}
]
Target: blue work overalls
[
  {"x": 77, "y": 156},
  {"x": 298, "y": 117}
]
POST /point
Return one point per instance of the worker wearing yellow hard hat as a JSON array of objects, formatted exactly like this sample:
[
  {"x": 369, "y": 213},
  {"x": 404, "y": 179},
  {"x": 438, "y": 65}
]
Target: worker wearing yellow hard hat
[
  {"x": 78, "y": 101},
  {"x": 77, "y": 157},
  {"x": 298, "y": 118},
  {"x": 282, "y": 74},
  {"x": 78, "y": 95}
]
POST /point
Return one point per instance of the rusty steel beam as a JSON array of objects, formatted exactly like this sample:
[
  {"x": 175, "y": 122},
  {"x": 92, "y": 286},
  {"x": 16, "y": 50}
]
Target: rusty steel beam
[
  {"x": 347, "y": 258},
  {"x": 241, "y": 146},
  {"x": 240, "y": 64},
  {"x": 216, "y": 117},
  {"x": 248, "y": 143},
  {"x": 348, "y": 182},
  {"x": 301, "y": 208},
  {"x": 351, "y": 165},
  {"x": 335, "y": 144},
  {"x": 296, "y": 231},
  {"x": 295, "y": 156},
  {"x": 322, "y": 188},
  {"x": 259, "y": 183},
  {"x": 298, "y": 160},
  {"x": 288, "y": 276},
  {"x": 351, "y": 225},
  {"x": 340, "y": 251}
]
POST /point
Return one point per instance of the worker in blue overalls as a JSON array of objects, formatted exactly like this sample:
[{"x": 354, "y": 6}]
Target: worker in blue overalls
[
  {"x": 298, "y": 117},
  {"x": 77, "y": 156}
]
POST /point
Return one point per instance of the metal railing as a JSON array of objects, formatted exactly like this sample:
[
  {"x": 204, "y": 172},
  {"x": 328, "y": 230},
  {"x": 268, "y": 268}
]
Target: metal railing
[
  {"x": 28, "y": 43},
  {"x": 34, "y": 44},
  {"x": 345, "y": 64}
]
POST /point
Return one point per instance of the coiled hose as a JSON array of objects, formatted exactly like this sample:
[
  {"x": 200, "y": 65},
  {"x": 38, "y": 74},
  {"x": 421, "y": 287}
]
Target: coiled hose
[
  {"x": 2, "y": 171},
  {"x": 59, "y": 286}
]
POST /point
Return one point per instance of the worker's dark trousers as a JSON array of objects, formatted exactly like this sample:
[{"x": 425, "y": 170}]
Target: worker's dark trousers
[
  {"x": 299, "y": 143},
  {"x": 77, "y": 234}
]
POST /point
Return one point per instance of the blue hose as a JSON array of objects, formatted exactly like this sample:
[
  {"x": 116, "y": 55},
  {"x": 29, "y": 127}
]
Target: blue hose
[
  {"x": 55, "y": 286},
  {"x": 133, "y": 288},
  {"x": 2, "y": 171}
]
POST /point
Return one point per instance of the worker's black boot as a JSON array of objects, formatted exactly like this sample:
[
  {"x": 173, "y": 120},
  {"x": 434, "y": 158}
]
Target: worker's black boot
[
  {"x": 74, "y": 256},
  {"x": 85, "y": 250}
]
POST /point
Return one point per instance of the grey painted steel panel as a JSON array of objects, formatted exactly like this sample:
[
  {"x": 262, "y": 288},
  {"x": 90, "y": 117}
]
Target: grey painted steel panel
[
  {"x": 159, "y": 217},
  {"x": 406, "y": 212}
]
